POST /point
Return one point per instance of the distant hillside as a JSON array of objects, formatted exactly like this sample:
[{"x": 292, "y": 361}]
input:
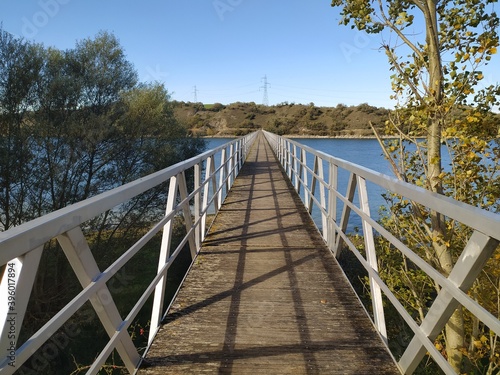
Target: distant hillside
[{"x": 291, "y": 119}]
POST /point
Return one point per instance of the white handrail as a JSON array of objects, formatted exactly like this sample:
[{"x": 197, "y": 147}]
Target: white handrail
[
  {"x": 21, "y": 248},
  {"x": 485, "y": 226}
]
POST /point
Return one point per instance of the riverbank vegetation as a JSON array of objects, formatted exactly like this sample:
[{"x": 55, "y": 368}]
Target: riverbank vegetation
[{"x": 284, "y": 119}]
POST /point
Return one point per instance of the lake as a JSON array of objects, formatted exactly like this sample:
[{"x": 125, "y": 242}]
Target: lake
[{"x": 365, "y": 152}]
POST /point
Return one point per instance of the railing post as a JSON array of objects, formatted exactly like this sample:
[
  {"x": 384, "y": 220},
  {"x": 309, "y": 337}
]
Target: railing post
[
  {"x": 332, "y": 205},
  {"x": 239, "y": 157},
  {"x": 314, "y": 179},
  {"x": 283, "y": 151},
  {"x": 290, "y": 159},
  {"x": 159, "y": 295},
  {"x": 197, "y": 206},
  {"x": 371, "y": 257},
  {"x": 222, "y": 177},
  {"x": 295, "y": 168},
  {"x": 231, "y": 163},
  {"x": 281, "y": 154},
  {"x": 188, "y": 220},
  {"x": 346, "y": 211},
  {"x": 303, "y": 177},
  {"x": 319, "y": 172},
  {"x": 209, "y": 178}
]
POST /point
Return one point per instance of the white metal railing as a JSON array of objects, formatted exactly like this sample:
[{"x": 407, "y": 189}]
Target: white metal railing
[
  {"x": 21, "y": 249},
  {"x": 314, "y": 175}
]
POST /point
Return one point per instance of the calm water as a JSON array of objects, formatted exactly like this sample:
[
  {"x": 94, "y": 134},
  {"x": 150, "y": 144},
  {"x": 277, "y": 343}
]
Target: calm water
[{"x": 365, "y": 152}]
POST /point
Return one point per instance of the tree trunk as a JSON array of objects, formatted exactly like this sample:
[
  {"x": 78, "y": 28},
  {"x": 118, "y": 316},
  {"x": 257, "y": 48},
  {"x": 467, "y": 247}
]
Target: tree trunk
[{"x": 454, "y": 329}]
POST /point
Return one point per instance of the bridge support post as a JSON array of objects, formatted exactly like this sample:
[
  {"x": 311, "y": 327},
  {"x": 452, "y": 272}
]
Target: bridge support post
[
  {"x": 318, "y": 172},
  {"x": 199, "y": 229},
  {"x": 209, "y": 171},
  {"x": 332, "y": 206},
  {"x": 188, "y": 220},
  {"x": 295, "y": 169},
  {"x": 230, "y": 168},
  {"x": 159, "y": 294},
  {"x": 346, "y": 211},
  {"x": 289, "y": 156},
  {"x": 222, "y": 178},
  {"x": 371, "y": 257},
  {"x": 302, "y": 178}
]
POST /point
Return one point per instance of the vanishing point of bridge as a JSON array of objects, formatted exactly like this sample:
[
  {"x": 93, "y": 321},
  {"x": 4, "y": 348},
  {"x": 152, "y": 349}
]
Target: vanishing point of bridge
[{"x": 265, "y": 294}]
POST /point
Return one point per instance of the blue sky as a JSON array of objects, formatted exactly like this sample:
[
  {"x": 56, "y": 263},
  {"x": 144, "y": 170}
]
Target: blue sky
[{"x": 224, "y": 48}]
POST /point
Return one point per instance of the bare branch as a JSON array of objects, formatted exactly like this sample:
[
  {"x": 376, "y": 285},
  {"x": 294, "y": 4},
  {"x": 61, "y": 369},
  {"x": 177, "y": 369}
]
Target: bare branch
[{"x": 394, "y": 28}]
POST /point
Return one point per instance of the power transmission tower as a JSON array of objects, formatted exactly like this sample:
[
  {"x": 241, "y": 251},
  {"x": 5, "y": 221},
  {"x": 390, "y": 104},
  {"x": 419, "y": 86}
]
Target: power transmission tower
[
  {"x": 195, "y": 92},
  {"x": 265, "y": 99}
]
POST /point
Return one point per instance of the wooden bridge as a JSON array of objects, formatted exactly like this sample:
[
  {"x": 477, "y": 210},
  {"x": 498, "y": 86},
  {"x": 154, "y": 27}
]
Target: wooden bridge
[{"x": 265, "y": 295}]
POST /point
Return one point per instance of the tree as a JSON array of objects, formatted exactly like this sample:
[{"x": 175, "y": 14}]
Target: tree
[
  {"x": 148, "y": 120},
  {"x": 20, "y": 66},
  {"x": 76, "y": 119},
  {"x": 59, "y": 93},
  {"x": 104, "y": 73},
  {"x": 435, "y": 73}
]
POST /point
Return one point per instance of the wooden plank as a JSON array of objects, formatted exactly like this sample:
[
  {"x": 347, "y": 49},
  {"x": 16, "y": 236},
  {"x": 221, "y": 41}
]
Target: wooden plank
[{"x": 266, "y": 296}]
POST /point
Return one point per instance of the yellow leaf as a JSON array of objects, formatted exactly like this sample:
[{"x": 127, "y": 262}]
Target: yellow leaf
[
  {"x": 483, "y": 339},
  {"x": 493, "y": 50}
]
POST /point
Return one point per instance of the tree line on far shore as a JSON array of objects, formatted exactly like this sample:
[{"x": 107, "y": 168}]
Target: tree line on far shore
[{"x": 306, "y": 120}]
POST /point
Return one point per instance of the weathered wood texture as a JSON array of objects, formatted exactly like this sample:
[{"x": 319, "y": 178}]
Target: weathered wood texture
[{"x": 265, "y": 295}]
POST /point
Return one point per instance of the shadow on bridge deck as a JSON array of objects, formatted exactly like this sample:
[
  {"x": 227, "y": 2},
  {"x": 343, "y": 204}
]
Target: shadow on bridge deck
[{"x": 265, "y": 295}]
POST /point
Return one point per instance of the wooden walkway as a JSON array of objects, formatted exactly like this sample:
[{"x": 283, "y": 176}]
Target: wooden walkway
[{"x": 265, "y": 295}]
